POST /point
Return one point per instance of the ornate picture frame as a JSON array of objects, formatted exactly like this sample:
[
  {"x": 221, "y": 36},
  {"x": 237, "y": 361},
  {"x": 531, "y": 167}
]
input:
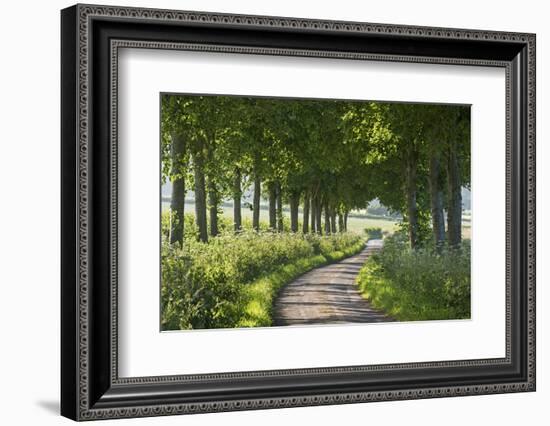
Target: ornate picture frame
[{"x": 91, "y": 37}]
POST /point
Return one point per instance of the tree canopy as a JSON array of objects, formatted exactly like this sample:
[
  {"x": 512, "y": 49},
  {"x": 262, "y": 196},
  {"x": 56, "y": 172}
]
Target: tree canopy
[{"x": 327, "y": 157}]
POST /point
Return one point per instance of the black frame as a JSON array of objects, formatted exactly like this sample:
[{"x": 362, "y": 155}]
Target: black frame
[{"x": 90, "y": 386}]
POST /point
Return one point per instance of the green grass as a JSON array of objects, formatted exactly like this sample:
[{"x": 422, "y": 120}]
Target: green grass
[
  {"x": 358, "y": 225},
  {"x": 417, "y": 285},
  {"x": 261, "y": 294},
  {"x": 207, "y": 285}
]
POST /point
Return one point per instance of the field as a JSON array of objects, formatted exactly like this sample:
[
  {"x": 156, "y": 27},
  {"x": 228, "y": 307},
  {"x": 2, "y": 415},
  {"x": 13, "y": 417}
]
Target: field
[{"x": 355, "y": 224}]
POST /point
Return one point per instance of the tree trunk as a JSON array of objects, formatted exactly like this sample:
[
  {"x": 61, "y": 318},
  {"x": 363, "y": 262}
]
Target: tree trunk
[
  {"x": 279, "y": 201},
  {"x": 333, "y": 221},
  {"x": 340, "y": 222},
  {"x": 454, "y": 210},
  {"x": 318, "y": 214},
  {"x": 346, "y": 221},
  {"x": 410, "y": 192},
  {"x": 177, "y": 203},
  {"x": 213, "y": 201},
  {"x": 327, "y": 218},
  {"x": 313, "y": 214},
  {"x": 436, "y": 198},
  {"x": 213, "y": 195},
  {"x": 237, "y": 194},
  {"x": 256, "y": 202},
  {"x": 272, "y": 207},
  {"x": 200, "y": 196},
  {"x": 294, "y": 205},
  {"x": 305, "y": 213}
]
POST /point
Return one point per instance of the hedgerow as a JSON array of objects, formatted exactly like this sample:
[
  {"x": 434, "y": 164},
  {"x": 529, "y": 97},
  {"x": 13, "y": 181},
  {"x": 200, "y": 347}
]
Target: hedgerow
[
  {"x": 207, "y": 285},
  {"x": 418, "y": 284}
]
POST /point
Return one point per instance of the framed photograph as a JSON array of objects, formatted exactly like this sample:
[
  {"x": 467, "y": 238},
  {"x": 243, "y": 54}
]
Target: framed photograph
[{"x": 263, "y": 212}]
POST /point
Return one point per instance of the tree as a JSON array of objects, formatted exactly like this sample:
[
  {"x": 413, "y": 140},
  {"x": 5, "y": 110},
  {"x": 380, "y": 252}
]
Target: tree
[
  {"x": 272, "y": 189},
  {"x": 436, "y": 136},
  {"x": 213, "y": 192},
  {"x": 175, "y": 160},
  {"x": 279, "y": 206},
  {"x": 177, "y": 203},
  {"x": 198, "y": 156},
  {"x": 327, "y": 216},
  {"x": 330, "y": 157},
  {"x": 256, "y": 201},
  {"x": 237, "y": 194},
  {"x": 436, "y": 197},
  {"x": 294, "y": 201},
  {"x": 457, "y": 153},
  {"x": 305, "y": 213}
]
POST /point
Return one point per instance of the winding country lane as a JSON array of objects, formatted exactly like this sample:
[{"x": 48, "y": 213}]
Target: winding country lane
[{"x": 328, "y": 295}]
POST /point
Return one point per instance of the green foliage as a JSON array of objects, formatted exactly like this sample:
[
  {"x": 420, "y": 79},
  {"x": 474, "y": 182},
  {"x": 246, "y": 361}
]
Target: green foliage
[
  {"x": 262, "y": 293},
  {"x": 418, "y": 284},
  {"x": 424, "y": 227},
  {"x": 332, "y": 246},
  {"x": 338, "y": 154},
  {"x": 207, "y": 285},
  {"x": 194, "y": 294},
  {"x": 191, "y": 230},
  {"x": 374, "y": 233},
  {"x": 342, "y": 152}
]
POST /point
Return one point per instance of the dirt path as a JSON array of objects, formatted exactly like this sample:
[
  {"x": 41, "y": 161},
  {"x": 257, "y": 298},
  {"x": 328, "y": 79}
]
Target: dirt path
[{"x": 328, "y": 295}]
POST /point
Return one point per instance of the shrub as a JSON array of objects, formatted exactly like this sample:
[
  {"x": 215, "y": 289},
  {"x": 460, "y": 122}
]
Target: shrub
[
  {"x": 195, "y": 294},
  {"x": 374, "y": 233},
  {"x": 205, "y": 285},
  {"x": 190, "y": 229},
  {"x": 418, "y": 284}
]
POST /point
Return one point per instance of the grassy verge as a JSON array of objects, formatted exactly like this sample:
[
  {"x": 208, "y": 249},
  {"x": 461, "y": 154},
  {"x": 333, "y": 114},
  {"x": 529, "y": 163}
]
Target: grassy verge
[
  {"x": 374, "y": 233},
  {"x": 417, "y": 285},
  {"x": 206, "y": 285},
  {"x": 261, "y": 294}
]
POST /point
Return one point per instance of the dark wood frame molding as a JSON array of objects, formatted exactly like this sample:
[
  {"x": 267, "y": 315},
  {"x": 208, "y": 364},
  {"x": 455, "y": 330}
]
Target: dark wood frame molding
[{"x": 91, "y": 37}]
